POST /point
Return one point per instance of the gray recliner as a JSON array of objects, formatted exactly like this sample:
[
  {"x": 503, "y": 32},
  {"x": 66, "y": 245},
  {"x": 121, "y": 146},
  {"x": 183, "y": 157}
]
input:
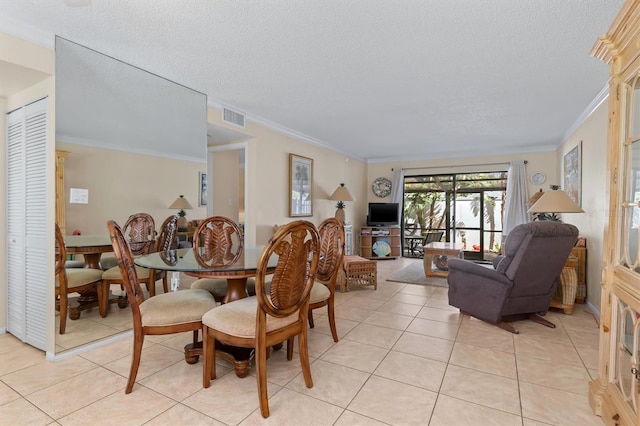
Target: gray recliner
[{"x": 523, "y": 281}]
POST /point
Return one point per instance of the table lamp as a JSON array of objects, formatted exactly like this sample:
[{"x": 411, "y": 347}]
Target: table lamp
[
  {"x": 341, "y": 194},
  {"x": 181, "y": 203},
  {"x": 546, "y": 205}
]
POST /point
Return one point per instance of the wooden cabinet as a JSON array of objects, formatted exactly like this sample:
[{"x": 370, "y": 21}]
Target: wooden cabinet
[
  {"x": 380, "y": 242},
  {"x": 614, "y": 394}
]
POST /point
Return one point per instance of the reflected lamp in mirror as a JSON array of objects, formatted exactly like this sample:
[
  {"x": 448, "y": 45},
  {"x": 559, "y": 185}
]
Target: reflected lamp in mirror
[
  {"x": 341, "y": 194},
  {"x": 181, "y": 204},
  {"x": 546, "y": 205}
]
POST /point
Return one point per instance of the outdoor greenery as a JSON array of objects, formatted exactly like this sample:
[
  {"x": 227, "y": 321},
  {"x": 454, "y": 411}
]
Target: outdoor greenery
[{"x": 425, "y": 205}]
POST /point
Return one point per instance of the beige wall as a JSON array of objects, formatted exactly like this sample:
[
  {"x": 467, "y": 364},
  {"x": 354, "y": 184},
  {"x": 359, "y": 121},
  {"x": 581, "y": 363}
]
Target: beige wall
[
  {"x": 593, "y": 134},
  {"x": 225, "y": 193},
  {"x": 122, "y": 183},
  {"x": 268, "y": 165}
]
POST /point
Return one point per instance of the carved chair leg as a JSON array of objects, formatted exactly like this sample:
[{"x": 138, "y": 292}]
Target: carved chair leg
[
  {"x": 540, "y": 320},
  {"x": 311, "y": 324}
]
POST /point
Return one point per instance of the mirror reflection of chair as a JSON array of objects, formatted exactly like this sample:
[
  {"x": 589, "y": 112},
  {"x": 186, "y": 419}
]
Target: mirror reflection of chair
[
  {"x": 167, "y": 240},
  {"x": 524, "y": 280},
  {"x": 168, "y": 313},
  {"x": 140, "y": 231},
  {"x": 73, "y": 280},
  {"x": 218, "y": 240},
  {"x": 331, "y": 255},
  {"x": 274, "y": 315}
]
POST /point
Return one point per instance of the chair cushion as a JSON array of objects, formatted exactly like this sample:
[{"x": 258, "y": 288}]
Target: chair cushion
[
  {"x": 114, "y": 273},
  {"x": 178, "y": 307},
  {"x": 238, "y": 318},
  {"x": 108, "y": 263},
  {"x": 217, "y": 287},
  {"x": 319, "y": 293},
  {"x": 77, "y": 277}
]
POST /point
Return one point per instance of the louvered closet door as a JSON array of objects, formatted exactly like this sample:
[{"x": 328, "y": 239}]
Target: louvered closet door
[{"x": 27, "y": 224}]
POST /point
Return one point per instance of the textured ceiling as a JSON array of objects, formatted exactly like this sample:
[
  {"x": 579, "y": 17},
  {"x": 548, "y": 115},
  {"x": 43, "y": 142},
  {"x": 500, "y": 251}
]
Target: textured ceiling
[{"x": 375, "y": 79}]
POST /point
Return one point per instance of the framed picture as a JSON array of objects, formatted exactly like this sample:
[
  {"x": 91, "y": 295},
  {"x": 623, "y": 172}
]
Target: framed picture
[
  {"x": 202, "y": 189},
  {"x": 300, "y": 186},
  {"x": 572, "y": 174}
]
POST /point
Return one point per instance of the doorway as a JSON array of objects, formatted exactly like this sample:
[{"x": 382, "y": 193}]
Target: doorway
[{"x": 467, "y": 208}]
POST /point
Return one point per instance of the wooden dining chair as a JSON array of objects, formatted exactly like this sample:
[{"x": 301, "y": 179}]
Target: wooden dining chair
[
  {"x": 140, "y": 232},
  {"x": 73, "y": 280},
  {"x": 222, "y": 242},
  {"x": 271, "y": 316},
  {"x": 167, "y": 313},
  {"x": 167, "y": 240},
  {"x": 331, "y": 255}
]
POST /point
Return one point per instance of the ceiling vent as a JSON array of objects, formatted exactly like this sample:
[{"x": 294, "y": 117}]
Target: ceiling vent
[{"x": 233, "y": 117}]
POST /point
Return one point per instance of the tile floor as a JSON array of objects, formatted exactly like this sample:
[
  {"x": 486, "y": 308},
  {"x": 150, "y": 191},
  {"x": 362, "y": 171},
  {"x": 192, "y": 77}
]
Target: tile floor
[{"x": 405, "y": 357}]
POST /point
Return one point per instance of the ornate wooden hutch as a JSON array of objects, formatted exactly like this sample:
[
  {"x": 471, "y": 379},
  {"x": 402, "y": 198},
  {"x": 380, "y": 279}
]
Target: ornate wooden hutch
[{"x": 614, "y": 394}]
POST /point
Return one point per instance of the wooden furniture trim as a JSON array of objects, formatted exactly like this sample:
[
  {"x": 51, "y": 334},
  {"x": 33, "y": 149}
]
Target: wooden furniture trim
[
  {"x": 367, "y": 239},
  {"x": 60, "y": 192}
]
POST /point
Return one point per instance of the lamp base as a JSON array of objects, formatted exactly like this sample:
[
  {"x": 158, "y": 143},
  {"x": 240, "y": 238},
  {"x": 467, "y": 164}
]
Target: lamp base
[
  {"x": 182, "y": 222},
  {"x": 340, "y": 215}
]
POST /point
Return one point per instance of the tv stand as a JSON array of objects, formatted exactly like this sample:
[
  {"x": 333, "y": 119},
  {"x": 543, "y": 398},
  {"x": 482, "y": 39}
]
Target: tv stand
[{"x": 380, "y": 242}]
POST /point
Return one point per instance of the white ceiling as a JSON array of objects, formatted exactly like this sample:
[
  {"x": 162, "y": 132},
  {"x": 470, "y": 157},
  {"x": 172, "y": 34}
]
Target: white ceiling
[{"x": 374, "y": 79}]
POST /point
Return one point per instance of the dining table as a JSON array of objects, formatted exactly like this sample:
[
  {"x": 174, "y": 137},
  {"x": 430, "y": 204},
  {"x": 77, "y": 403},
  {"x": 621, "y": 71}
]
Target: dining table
[{"x": 236, "y": 268}]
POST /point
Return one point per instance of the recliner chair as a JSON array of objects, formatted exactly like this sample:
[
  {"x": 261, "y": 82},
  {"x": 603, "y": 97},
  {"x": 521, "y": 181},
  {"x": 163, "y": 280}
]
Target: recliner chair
[{"x": 523, "y": 281}]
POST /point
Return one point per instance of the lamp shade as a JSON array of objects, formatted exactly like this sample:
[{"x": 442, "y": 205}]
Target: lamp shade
[
  {"x": 555, "y": 201},
  {"x": 341, "y": 194},
  {"x": 180, "y": 203}
]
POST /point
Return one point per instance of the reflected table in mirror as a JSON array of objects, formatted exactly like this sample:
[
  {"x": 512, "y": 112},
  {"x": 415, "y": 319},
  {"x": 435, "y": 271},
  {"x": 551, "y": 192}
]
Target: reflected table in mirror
[
  {"x": 91, "y": 248},
  {"x": 235, "y": 268}
]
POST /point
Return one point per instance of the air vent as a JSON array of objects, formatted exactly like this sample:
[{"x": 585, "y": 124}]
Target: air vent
[{"x": 233, "y": 117}]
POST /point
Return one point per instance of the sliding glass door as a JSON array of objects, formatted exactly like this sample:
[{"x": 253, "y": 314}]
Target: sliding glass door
[{"x": 464, "y": 207}]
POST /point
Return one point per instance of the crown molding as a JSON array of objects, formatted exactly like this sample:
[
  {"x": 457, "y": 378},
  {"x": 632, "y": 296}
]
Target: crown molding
[{"x": 602, "y": 96}]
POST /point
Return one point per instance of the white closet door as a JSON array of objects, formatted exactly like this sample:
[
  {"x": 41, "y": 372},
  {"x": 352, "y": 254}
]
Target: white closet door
[{"x": 26, "y": 223}]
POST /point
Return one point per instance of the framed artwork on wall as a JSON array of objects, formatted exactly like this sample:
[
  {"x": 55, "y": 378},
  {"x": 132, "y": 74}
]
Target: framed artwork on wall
[
  {"x": 300, "y": 186},
  {"x": 202, "y": 189},
  {"x": 572, "y": 173}
]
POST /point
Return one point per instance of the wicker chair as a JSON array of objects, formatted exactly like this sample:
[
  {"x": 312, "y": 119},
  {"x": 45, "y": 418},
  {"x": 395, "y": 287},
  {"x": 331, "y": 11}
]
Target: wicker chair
[
  {"x": 73, "y": 280},
  {"x": 141, "y": 232},
  {"x": 272, "y": 317},
  {"x": 222, "y": 241},
  {"x": 168, "y": 313},
  {"x": 331, "y": 254}
]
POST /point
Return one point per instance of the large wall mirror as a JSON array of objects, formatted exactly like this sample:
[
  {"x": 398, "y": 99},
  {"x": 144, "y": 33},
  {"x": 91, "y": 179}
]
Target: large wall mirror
[{"x": 134, "y": 142}]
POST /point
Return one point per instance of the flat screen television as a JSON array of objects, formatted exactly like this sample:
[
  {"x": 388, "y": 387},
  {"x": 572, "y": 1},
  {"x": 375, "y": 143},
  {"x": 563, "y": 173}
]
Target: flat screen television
[{"x": 383, "y": 214}]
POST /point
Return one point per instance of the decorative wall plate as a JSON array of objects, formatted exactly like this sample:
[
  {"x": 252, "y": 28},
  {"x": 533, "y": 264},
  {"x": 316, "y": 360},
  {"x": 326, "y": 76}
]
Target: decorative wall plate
[
  {"x": 381, "y": 248},
  {"x": 381, "y": 187},
  {"x": 538, "y": 178}
]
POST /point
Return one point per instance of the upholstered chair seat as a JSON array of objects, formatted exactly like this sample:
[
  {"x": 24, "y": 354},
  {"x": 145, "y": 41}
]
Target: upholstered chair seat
[
  {"x": 179, "y": 307},
  {"x": 74, "y": 264},
  {"x": 319, "y": 293},
  {"x": 77, "y": 277},
  {"x": 114, "y": 273},
  {"x": 218, "y": 287},
  {"x": 238, "y": 318}
]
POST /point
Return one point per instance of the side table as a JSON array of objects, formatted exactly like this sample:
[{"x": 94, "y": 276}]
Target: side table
[
  {"x": 565, "y": 295},
  {"x": 440, "y": 249}
]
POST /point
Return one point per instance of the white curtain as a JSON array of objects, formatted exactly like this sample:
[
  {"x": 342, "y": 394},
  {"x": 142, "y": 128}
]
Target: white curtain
[
  {"x": 515, "y": 211},
  {"x": 397, "y": 189}
]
